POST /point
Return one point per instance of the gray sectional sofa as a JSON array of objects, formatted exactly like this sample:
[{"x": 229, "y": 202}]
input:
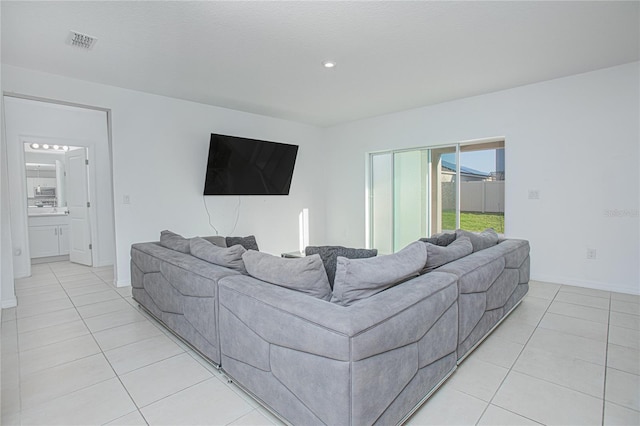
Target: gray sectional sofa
[{"x": 311, "y": 361}]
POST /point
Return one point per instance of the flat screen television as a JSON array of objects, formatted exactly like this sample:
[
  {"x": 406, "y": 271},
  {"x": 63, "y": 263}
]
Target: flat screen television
[{"x": 241, "y": 166}]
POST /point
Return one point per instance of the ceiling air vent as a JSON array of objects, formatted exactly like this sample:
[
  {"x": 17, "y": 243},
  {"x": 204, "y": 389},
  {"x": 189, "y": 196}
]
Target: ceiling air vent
[{"x": 81, "y": 40}]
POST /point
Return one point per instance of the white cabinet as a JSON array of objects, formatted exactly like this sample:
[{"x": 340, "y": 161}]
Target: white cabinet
[
  {"x": 43, "y": 241},
  {"x": 48, "y": 236},
  {"x": 63, "y": 239}
]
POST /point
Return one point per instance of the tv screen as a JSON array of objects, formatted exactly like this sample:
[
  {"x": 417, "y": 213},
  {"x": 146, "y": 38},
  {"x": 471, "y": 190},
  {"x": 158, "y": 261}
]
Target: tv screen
[{"x": 241, "y": 166}]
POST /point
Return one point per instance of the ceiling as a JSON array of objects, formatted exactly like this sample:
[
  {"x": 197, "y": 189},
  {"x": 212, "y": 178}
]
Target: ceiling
[{"x": 266, "y": 57}]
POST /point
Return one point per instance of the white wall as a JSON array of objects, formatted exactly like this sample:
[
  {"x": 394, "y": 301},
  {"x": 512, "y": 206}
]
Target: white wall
[
  {"x": 565, "y": 137},
  {"x": 574, "y": 139},
  {"x": 160, "y": 148}
]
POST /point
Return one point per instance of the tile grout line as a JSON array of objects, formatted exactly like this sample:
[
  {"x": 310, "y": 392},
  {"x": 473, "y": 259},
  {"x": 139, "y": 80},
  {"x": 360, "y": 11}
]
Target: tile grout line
[
  {"x": 19, "y": 357},
  {"x": 101, "y": 352},
  {"x": 606, "y": 361},
  {"x": 537, "y": 378},
  {"x": 514, "y": 363},
  {"x": 589, "y": 362},
  {"x": 109, "y": 363}
]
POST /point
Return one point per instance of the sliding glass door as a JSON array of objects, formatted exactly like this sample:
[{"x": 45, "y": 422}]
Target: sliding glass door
[{"x": 419, "y": 192}]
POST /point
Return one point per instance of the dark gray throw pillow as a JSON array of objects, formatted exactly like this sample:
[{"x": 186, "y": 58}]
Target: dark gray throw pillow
[
  {"x": 442, "y": 240},
  {"x": 358, "y": 279},
  {"x": 303, "y": 274},
  {"x": 229, "y": 257},
  {"x": 174, "y": 241},
  {"x": 329, "y": 256},
  {"x": 248, "y": 243},
  {"x": 438, "y": 255},
  {"x": 480, "y": 240}
]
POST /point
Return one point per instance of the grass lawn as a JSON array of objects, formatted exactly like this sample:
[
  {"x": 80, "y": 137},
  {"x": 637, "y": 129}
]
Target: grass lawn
[{"x": 475, "y": 222}]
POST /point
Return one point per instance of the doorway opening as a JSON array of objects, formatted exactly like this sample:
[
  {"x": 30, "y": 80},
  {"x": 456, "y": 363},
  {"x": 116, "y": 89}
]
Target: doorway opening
[
  {"x": 49, "y": 122},
  {"x": 58, "y": 200}
]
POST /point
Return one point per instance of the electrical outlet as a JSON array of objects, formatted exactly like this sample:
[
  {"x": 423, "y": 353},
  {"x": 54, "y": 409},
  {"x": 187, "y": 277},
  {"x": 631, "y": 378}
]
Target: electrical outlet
[
  {"x": 591, "y": 254},
  {"x": 534, "y": 194}
]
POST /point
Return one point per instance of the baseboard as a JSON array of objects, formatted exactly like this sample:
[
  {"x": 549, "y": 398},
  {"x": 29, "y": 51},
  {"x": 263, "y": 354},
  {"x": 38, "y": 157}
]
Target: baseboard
[
  {"x": 9, "y": 303},
  {"x": 49, "y": 259},
  {"x": 596, "y": 285},
  {"x": 122, "y": 283}
]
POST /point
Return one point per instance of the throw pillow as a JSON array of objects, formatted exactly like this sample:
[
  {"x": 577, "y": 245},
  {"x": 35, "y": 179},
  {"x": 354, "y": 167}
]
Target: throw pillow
[
  {"x": 217, "y": 240},
  {"x": 357, "y": 279},
  {"x": 438, "y": 256},
  {"x": 174, "y": 241},
  {"x": 443, "y": 239},
  {"x": 229, "y": 257},
  {"x": 481, "y": 240},
  {"x": 304, "y": 274},
  {"x": 329, "y": 256},
  {"x": 248, "y": 243}
]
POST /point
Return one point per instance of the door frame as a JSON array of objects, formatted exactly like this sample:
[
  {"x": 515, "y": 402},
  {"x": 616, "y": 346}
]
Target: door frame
[
  {"x": 91, "y": 185},
  {"x": 91, "y": 176}
]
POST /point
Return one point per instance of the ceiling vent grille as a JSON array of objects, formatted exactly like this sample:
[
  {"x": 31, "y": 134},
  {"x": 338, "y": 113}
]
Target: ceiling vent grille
[{"x": 83, "y": 41}]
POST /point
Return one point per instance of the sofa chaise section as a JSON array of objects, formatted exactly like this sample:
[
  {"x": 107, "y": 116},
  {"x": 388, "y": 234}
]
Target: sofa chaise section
[
  {"x": 315, "y": 362},
  {"x": 181, "y": 291},
  {"x": 491, "y": 283}
]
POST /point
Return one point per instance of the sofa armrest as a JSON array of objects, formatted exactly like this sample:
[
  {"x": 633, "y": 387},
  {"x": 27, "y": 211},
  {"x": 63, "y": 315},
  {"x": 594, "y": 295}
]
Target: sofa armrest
[
  {"x": 315, "y": 362},
  {"x": 189, "y": 275},
  {"x": 354, "y": 332}
]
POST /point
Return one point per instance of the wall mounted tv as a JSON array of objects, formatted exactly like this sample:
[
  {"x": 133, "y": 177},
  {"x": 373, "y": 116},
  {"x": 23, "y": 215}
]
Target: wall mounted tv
[{"x": 241, "y": 166}]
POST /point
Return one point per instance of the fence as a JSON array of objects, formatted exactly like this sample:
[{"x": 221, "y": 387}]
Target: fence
[{"x": 480, "y": 196}]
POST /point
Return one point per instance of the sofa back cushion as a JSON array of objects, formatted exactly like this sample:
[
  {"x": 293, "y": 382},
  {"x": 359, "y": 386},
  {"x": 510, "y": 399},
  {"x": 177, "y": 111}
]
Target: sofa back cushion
[
  {"x": 358, "y": 279},
  {"x": 438, "y": 255},
  {"x": 229, "y": 257},
  {"x": 442, "y": 239},
  {"x": 248, "y": 243},
  {"x": 305, "y": 274},
  {"x": 217, "y": 240},
  {"x": 479, "y": 240},
  {"x": 174, "y": 241},
  {"x": 329, "y": 256}
]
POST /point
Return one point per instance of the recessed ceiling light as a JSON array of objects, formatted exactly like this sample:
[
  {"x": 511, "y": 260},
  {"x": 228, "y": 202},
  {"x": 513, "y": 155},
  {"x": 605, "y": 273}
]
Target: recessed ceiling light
[{"x": 328, "y": 64}]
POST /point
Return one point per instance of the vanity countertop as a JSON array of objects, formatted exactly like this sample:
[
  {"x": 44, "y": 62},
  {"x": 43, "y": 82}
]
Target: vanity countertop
[
  {"x": 46, "y": 211},
  {"x": 47, "y": 214}
]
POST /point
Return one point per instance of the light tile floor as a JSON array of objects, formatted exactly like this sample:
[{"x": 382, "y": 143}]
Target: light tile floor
[{"x": 76, "y": 350}]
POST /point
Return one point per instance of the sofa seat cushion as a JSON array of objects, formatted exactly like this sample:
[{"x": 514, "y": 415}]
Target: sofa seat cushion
[
  {"x": 438, "y": 255},
  {"x": 305, "y": 274},
  {"x": 229, "y": 257},
  {"x": 174, "y": 241},
  {"x": 358, "y": 279},
  {"x": 329, "y": 256},
  {"x": 479, "y": 240}
]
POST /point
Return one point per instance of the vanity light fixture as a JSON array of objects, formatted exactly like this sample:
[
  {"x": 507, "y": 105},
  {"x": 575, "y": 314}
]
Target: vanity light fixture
[{"x": 47, "y": 146}]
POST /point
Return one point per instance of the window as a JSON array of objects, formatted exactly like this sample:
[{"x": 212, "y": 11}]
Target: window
[{"x": 418, "y": 192}]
